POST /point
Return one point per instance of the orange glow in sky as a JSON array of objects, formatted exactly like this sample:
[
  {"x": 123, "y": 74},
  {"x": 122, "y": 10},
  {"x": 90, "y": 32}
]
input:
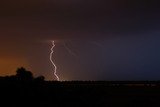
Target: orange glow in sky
[{"x": 8, "y": 66}]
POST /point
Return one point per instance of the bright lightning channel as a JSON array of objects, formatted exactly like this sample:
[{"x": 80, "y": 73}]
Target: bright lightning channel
[{"x": 54, "y": 65}]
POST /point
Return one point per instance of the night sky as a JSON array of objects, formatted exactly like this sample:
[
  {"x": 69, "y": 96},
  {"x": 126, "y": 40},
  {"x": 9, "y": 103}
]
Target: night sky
[{"x": 95, "y": 39}]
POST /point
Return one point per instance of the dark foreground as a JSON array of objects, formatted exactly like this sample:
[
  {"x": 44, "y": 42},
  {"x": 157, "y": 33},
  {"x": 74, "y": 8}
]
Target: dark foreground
[{"x": 79, "y": 94}]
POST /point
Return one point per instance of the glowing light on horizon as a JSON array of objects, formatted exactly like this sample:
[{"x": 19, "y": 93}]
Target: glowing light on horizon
[{"x": 54, "y": 65}]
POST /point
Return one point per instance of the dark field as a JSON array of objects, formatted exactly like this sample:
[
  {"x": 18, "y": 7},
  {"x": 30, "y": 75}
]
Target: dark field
[{"x": 79, "y": 93}]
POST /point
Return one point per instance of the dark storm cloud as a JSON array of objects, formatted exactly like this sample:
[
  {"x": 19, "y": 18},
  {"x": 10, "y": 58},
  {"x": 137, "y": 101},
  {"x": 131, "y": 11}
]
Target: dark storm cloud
[
  {"x": 80, "y": 18},
  {"x": 108, "y": 36}
]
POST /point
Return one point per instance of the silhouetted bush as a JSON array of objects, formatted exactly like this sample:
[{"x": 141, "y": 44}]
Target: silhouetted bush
[
  {"x": 24, "y": 75},
  {"x": 40, "y": 79}
]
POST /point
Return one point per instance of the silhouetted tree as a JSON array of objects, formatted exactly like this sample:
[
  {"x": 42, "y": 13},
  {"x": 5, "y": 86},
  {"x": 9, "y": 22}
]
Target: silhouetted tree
[{"x": 24, "y": 75}]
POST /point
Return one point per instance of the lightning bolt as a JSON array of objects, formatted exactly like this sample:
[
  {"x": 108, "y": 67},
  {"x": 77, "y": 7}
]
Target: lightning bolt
[{"x": 55, "y": 67}]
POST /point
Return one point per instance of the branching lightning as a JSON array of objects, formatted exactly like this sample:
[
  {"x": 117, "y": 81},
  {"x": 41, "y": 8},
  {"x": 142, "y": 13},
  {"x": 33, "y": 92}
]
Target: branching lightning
[
  {"x": 69, "y": 50},
  {"x": 97, "y": 44},
  {"x": 55, "y": 67}
]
